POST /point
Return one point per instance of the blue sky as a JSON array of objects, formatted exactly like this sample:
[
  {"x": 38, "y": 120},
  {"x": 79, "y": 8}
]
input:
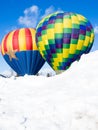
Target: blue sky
[{"x": 27, "y": 13}]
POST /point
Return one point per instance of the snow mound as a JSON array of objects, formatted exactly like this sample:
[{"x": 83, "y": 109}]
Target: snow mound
[{"x": 68, "y": 101}]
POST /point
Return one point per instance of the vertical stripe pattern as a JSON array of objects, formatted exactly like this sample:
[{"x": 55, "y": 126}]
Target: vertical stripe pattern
[
  {"x": 19, "y": 40},
  {"x": 15, "y": 41},
  {"x": 20, "y": 51}
]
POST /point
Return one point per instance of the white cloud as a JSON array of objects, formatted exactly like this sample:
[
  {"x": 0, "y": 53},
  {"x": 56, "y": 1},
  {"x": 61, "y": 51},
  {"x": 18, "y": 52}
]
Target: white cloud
[
  {"x": 30, "y": 17},
  {"x": 33, "y": 15},
  {"x": 48, "y": 11},
  {"x": 96, "y": 29}
]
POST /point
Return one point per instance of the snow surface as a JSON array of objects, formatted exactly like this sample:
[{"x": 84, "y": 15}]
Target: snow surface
[{"x": 68, "y": 101}]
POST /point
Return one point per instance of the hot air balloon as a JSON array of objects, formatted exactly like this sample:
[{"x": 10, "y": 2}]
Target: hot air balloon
[
  {"x": 62, "y": 37},
  {"x": 21, "y": 53}
]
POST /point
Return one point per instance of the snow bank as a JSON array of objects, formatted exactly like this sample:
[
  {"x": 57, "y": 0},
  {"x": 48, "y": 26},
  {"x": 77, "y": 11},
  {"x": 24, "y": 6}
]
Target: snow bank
[{"x": 68, "y": 101}]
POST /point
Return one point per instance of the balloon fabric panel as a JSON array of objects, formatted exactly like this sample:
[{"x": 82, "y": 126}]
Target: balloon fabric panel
[
  {"x": 28, "y": 62},
  {"x": 63, "y": 37},
  {"x": 21, "y": 53},
  {"x": 20, "y": 40}
]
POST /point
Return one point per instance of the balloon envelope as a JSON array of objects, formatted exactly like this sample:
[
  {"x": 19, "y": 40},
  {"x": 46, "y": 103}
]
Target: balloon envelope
[
  {"x": 63, "y": 37},
  {"x": 21, "y": 53}
]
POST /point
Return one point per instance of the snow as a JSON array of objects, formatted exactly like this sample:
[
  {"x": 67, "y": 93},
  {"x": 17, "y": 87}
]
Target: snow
[{"x": 68, "y": 101}]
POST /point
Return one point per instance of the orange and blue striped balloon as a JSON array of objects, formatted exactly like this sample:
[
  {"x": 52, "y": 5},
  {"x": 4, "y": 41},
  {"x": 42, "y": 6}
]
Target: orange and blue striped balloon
[{"x": 20, "y": 51}]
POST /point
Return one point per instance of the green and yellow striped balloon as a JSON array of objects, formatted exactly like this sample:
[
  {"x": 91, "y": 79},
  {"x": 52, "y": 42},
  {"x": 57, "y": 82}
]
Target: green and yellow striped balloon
[{"x": 63, "y": 37}]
